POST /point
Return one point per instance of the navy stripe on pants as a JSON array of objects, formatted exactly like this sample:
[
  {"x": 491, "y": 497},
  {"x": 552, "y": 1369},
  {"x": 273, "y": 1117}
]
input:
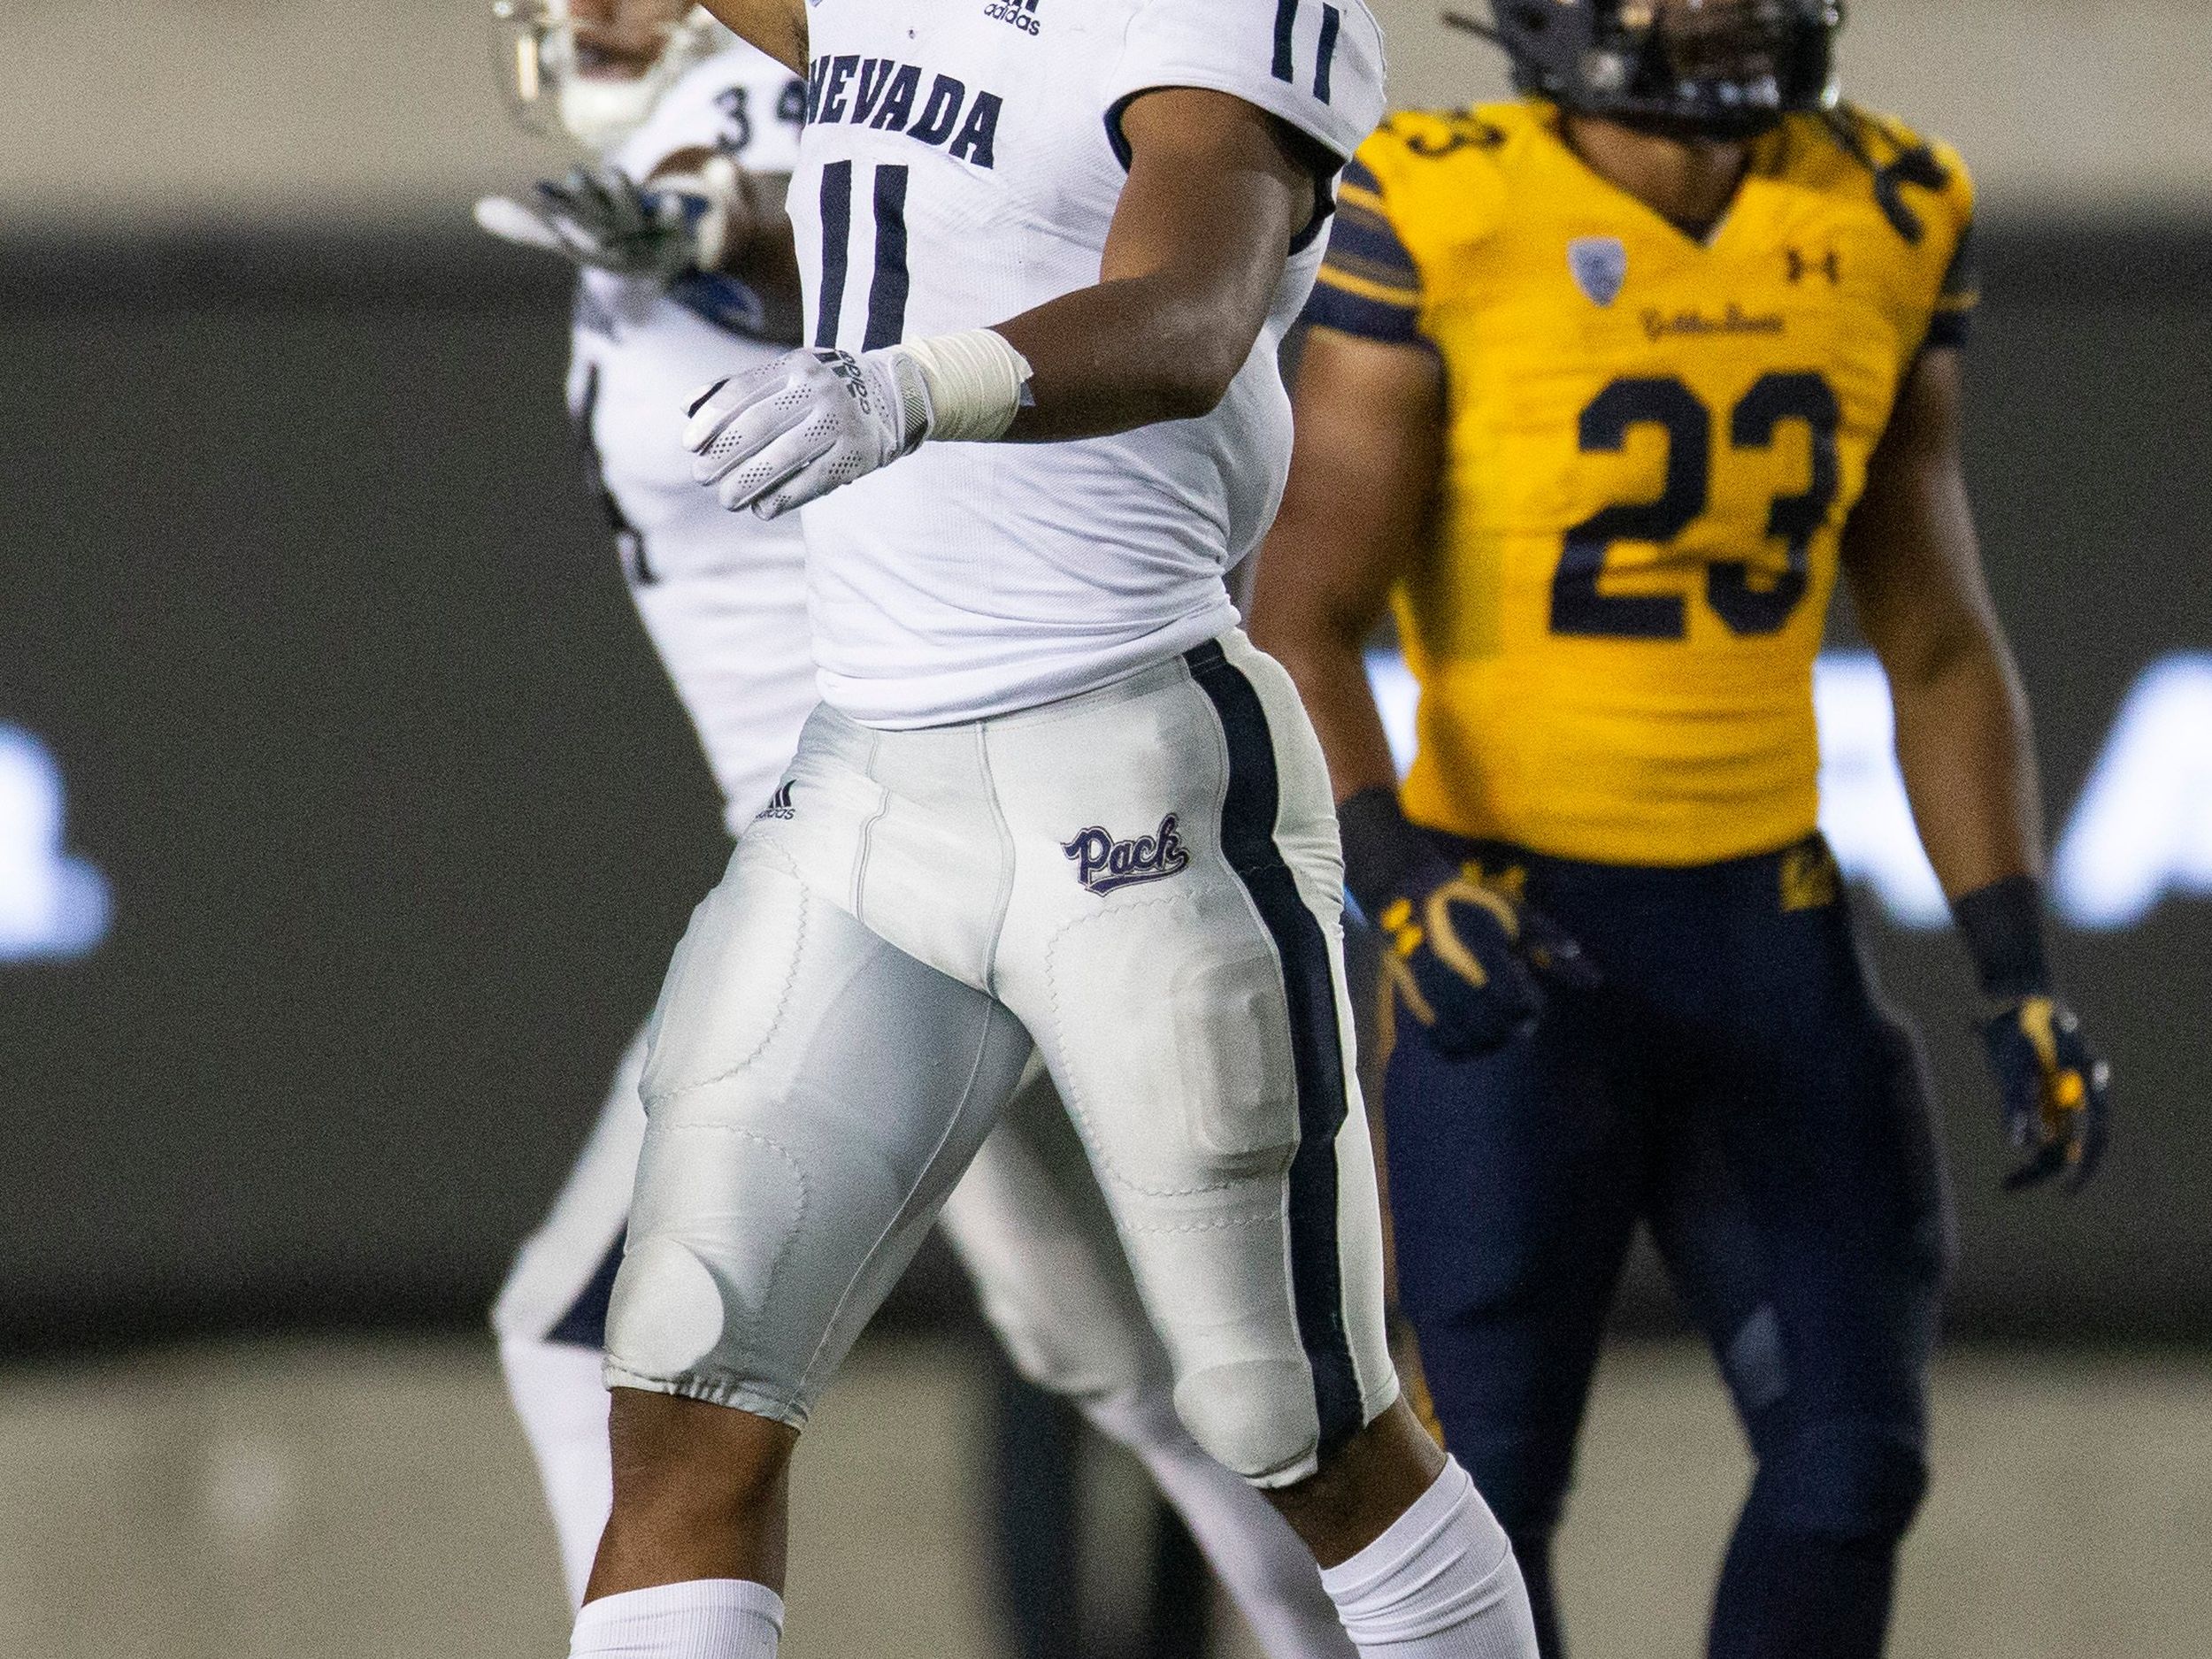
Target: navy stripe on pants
[{"x": 1248, "y": 815}]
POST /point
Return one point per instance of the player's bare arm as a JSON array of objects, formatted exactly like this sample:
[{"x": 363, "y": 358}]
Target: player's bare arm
[
  {"x": 1216, "y": 194},
  {"x": 1354, "y": 518},
  {"x": 777, "y": 26},
  {"x": 1914, "y": 566},
  {"x": 1913, "y": 562},
  {"x": 1218, "y": 190},
  {"x": 1364, "y": 475}
]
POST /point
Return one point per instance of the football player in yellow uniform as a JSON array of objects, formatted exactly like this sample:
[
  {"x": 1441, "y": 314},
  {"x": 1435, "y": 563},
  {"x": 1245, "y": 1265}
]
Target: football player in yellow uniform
[{"x": 1604, "y": 390}]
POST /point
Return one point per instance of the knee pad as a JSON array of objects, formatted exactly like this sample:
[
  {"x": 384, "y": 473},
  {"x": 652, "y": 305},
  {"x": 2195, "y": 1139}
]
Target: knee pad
[
  {"x": 1256, "y": 1417},
  {"x": 1842, "y": 1479},
  {"x": 709, "y": 1290}
]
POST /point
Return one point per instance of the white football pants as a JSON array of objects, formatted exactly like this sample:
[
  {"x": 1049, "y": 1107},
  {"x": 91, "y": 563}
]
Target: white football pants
[
  {"x": 1033, "y": 1230},
  {"x": 1144, "y": 884}
]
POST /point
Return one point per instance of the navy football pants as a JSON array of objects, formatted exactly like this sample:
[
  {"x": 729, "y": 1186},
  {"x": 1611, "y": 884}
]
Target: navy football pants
[{"x": 1735, "y": 1085}]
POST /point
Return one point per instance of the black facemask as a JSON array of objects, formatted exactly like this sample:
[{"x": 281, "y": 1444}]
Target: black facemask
[{"x": 1707, "y": 68}]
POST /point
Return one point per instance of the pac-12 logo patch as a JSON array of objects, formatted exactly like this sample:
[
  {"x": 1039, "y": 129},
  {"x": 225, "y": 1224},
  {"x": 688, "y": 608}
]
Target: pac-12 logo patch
[
  {"x": 1105, "y": 865},
  {"x": 780, "y": 805},
  {"x": 1600, "y": 265}
]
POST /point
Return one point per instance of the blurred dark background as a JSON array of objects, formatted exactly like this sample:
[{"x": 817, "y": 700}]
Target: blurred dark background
[
  {"x": 306, "y": 603},
  {"x": 346, "y": 825}
]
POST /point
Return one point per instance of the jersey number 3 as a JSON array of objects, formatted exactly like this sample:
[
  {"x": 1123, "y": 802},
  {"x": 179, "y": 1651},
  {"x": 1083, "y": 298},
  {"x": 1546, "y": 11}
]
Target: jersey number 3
[{"x": 1578, "y": 608}]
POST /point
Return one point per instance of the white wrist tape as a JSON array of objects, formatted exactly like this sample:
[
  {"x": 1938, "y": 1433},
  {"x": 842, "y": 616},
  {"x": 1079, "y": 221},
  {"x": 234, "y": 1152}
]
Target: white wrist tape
[
  {"x": 727, "y": 224},
  {"x": 976, "y": 384}
]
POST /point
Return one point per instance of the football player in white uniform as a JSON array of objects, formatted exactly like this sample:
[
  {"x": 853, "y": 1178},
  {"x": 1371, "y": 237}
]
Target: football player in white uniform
[
  {"x": 1053, "y": 802},
  {"x": 687, "y": 271}
]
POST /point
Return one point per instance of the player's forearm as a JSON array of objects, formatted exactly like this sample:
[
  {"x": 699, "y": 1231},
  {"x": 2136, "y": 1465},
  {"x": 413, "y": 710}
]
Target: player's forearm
[
  {"x": 1216, "y": 192},
  {"x": 767, "y": 265},
  {"x": 1962, "y": 738},
  {"x": 1193, "y": 260},
  {"x": 1915, "y": 570},
  {"x": 1964, "y": 747},
  {"x": 1367, "y": 467},
  {"x": 1324, "y": 648},
  {"x": 1329, "y": 666},
  {"x": 1128, "y": 354}
]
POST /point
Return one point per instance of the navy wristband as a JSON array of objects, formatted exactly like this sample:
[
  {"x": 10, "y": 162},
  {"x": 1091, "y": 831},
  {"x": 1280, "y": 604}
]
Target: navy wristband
[
  {"x": 1381, "y": 848},
  {"x": 2003, "y": 925}
]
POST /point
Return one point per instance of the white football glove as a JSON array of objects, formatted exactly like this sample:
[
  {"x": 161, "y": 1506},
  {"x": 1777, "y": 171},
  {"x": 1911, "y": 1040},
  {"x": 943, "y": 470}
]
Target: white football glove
[
  {"x": 809, "y": 422},
  {"x": 600, "y": 217}
]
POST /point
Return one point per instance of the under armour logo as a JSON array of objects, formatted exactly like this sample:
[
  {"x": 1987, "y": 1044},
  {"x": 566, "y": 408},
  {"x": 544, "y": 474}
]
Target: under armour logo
[
  {"x": 1105, "y": 865},
  {"x": 1830, "y": 264}
]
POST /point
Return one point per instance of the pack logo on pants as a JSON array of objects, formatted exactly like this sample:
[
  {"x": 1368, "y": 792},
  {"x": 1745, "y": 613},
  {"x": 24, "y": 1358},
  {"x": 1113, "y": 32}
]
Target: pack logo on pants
[{"x": 1105, "y": 865}]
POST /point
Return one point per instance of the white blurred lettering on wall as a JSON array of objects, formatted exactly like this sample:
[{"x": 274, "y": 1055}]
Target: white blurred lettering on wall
[
  {"x": 2143, "y": 830},
  {"x": 2141, "y": 833},
  {"x": 50, "y": 904}
]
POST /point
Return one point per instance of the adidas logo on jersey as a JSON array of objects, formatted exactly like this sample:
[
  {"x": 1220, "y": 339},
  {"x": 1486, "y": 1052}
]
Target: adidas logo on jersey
[
  {"x": 1105, "y": 865},
  {"x": 780, "y": 805},
  {"x": 1021, "y": 13}
]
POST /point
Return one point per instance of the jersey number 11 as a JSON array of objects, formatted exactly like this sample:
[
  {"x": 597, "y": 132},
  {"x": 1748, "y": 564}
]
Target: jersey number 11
[{"x": 887, "y": 290}]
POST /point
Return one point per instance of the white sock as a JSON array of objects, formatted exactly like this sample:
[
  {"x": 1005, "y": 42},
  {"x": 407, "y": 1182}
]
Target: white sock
[
  {"x": 711, "y": 1619},
  {"x": 1441, "y": 1584},
  {"x": 562, "y": 1399},
  {"x": 1267, "y": 1571}
]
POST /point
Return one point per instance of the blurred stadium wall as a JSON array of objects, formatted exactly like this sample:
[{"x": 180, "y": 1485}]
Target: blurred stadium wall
[
  {"x": 345, "y": 823},
  {"x": 139, "y": 113}
]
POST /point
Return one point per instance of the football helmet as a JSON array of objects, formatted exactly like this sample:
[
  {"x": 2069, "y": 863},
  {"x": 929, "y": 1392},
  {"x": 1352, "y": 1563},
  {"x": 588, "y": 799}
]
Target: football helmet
[
  {"x": 594, "y": 71},
  {"x": 1704, "y": 68}
]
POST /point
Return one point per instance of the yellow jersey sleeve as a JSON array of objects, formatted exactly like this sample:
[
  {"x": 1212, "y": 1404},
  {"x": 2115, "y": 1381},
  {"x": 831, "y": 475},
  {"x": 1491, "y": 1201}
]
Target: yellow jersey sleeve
[
  {"x": 1370, "y": 285},
  {"x": 1961, "y": 295},
  {"x": 1926, "y": 193},
  {"x": 1422, "y": 190}
]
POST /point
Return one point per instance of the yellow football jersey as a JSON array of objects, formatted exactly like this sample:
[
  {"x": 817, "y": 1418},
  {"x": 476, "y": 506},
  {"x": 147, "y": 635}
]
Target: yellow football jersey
[{"x": 1654, "y": 444}]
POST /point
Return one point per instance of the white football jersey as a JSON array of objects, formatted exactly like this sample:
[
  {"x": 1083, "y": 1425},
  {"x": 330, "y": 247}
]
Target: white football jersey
[
  {"x": 961, "y": 165},
  {"x": 722, "y": 596}
]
